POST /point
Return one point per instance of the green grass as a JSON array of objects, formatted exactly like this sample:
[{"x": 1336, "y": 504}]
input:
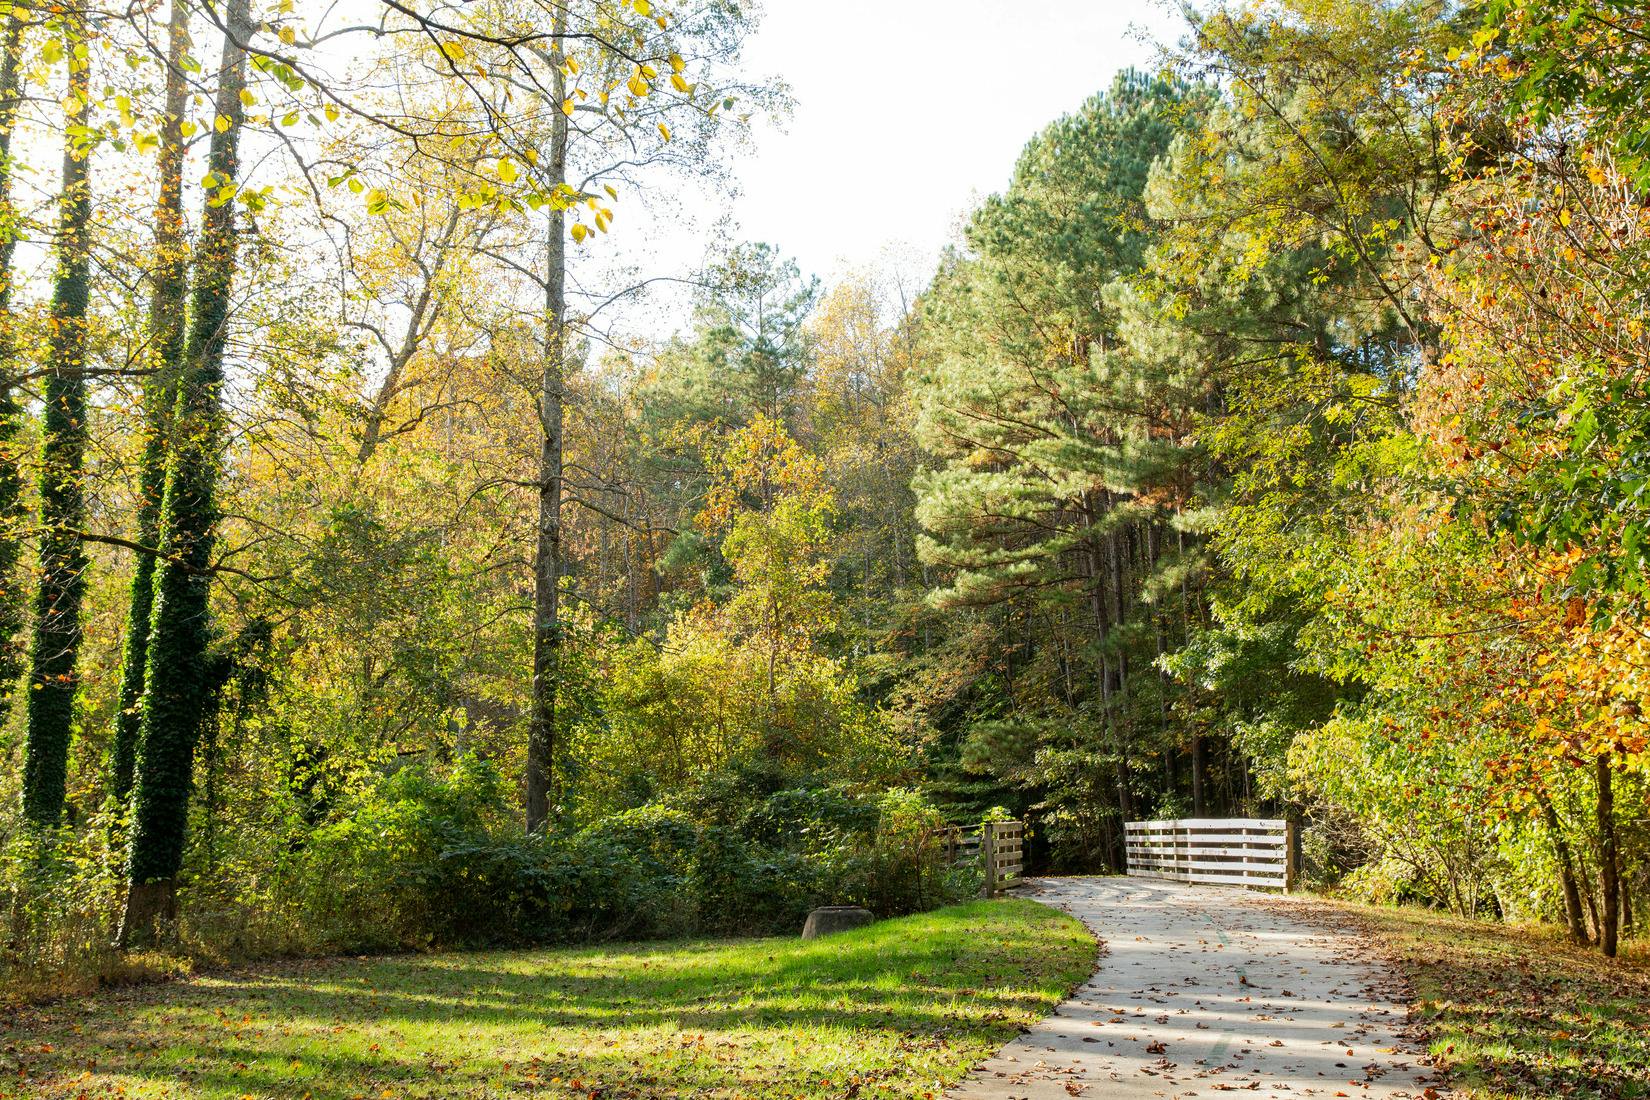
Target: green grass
[
  {"x": 899, "y": 1009},
  {"x": 1518, "y": 1012}
]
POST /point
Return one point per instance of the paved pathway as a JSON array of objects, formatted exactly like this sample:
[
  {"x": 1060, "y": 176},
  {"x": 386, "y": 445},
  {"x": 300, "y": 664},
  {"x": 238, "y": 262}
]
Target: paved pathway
[{"x": 1204, "y": 992}]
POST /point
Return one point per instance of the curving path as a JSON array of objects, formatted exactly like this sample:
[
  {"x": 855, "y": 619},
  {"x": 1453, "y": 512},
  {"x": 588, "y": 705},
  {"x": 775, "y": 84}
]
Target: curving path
[{"x": 1204, "y": 992}]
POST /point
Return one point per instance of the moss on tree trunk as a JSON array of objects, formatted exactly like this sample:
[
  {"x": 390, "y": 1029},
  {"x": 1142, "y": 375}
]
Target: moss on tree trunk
[
  {"x": 180, "y": 685},
  {"x": 55, "y": 648},
  {"x": 167, "y": 347}
]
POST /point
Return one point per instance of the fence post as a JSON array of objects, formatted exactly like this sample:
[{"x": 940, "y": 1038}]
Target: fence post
[
  {"x": 1291, "y": 854},
  {"x": 988, "y": 853}
]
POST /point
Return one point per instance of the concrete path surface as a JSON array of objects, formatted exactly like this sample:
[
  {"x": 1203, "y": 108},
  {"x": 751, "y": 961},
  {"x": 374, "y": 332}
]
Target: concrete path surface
[{"x": 1207, "y": 991}]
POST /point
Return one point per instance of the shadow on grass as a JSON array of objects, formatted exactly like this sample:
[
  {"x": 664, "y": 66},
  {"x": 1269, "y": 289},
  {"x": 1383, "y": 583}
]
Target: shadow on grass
[
  {"x": 1520, "y": 1012},
  {"x": 894, "y": 1010}
]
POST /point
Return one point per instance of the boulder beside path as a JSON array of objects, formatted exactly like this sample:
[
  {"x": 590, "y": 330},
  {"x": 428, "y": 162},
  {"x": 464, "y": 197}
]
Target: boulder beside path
[{"x": 835, "y": 918}]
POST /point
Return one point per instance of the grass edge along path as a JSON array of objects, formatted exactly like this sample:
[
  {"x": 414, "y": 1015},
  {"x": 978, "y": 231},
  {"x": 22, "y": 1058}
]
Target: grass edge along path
[
  {"x": 1517, "y": 1012},
  {"x": 900, "y": 1009}
]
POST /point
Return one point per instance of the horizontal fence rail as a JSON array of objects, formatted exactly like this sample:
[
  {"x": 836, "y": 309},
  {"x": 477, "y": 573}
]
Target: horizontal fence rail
[
  {"x": 1235, "y": 851},
  {"x": 1003, "y": 843},
  {"x": 998, "y": 847}
]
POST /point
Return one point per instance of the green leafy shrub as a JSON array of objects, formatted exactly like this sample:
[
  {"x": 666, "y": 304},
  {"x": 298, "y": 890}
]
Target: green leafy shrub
[
  {"x": 57, "y": 898},
  {"x": 427, "y": 857}
]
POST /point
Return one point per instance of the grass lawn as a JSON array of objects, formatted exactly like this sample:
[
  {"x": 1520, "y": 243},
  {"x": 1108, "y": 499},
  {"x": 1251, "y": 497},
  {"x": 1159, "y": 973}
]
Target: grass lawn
[
  {"x": 1514, "y": 1012},
  {"x": 899, "y": 1009}
]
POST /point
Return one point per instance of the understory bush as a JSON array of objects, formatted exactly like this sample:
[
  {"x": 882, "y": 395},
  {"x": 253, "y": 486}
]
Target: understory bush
[
  {"x": 422, "y": 859},
  {"x": 435, "y": 856}
]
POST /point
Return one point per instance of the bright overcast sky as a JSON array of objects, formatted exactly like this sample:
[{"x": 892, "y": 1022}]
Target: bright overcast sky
[{"x": 908, "y": 111}]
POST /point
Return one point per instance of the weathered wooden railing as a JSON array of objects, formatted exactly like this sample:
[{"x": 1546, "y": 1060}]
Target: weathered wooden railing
[
  {"x": 998, "y": 845},
  {"x": 1235, "y": 851}
]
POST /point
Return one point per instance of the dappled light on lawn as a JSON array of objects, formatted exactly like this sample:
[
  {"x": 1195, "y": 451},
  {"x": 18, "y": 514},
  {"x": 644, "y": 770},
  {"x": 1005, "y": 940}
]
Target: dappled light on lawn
[{"x": 898, "y": 1009}]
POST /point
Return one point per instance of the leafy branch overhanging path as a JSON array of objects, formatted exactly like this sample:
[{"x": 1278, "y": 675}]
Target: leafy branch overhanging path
[{"x": 1206, "y": 992}]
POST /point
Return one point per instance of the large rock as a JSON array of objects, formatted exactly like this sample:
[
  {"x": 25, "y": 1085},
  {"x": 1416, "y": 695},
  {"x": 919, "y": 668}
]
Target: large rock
[{"x": 835, "y": 918}]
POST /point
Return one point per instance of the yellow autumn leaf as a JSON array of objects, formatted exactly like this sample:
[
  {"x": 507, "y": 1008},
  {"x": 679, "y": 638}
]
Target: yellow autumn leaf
[
  {"x": 580, "y": 231},
  {"x": 221, "y": 123},
  {"x": 331, "y": 111},
  {"x": 567, "y": 107},
  {"x": 608, "y": 187},
  {"x": 507, "y": 170},
  {"x": 678, "y": 83},
  {"x": 1564, "y": 216},
  {"x": 677, "y": 63},
  {"x": 664, "y": 131},
  {"x": 643, "y": 7}
]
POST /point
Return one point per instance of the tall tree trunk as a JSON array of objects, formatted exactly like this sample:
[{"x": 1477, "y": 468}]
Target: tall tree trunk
[
  {"x": 1107, "y": 679},
  {"x": 165, "y": 362},
  {"x": 631, "y": 607},
  {"x": 1609, "y": 861},
  {"x": 1200, "y": 776},
  {"x": 1589, "y": 896},
  {"x": 54, "y": 655},
  {"x": 181, "y": 684},
  {"x": 1573, "y": 914},
  {"x": 1628, "y": 926},
  {"x": 12, "y": 508},
  {"x": 547, "y": 558}
]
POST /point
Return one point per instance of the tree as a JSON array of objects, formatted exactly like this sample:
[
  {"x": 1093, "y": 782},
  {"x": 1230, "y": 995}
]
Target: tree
[
  {"x": 166, "y": 349},
  {"x": 55, "y": 650},
  {"x": 1063, "y": 456},
  {"x": 180, "y": 680},
  {"x": 772, "y": 510},
  {"x": 13, "y": 605},
  {"x": 1586, "y": 59},
  {"x": 607, "y": 118}
]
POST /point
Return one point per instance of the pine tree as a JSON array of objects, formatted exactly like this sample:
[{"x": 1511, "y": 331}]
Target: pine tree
[
  {"x": 55, "y": 650},
  {"x": 181, "y": 683},
  {"x": 1064, "y": 458}
]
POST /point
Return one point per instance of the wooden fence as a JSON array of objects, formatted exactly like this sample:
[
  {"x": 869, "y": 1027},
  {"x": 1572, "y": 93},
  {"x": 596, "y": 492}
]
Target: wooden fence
[
  {"x": 1235, "y": 851},
  {"x": 998, "y": 845}
]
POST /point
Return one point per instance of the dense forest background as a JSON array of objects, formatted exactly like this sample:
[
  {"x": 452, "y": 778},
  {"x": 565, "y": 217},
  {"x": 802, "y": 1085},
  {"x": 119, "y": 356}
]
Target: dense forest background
[{"x": 375, "y": 574}]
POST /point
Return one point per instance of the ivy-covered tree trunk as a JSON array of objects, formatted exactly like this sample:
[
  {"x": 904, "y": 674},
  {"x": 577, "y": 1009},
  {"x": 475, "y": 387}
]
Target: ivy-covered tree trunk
[
  {"x": 55, "y": 648},
  {"x": 166, "y": 350},
  {"x": 547, "y": 558},
  {"x": 180, "y": 681},
  {"x": 12, "y": 510}
]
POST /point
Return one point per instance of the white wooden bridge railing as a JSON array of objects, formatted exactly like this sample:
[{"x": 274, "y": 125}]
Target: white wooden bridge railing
[{"x": 1235, "y": 851}]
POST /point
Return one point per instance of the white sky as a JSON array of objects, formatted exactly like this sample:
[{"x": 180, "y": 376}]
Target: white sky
[{"x": 909, "y": 111}]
